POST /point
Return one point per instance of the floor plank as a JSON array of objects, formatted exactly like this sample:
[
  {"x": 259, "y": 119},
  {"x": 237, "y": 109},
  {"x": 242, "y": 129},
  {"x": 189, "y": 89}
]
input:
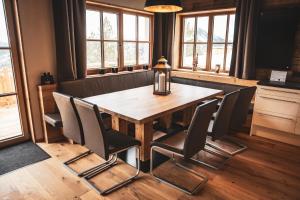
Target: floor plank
[{"x": 266, "y": 170}]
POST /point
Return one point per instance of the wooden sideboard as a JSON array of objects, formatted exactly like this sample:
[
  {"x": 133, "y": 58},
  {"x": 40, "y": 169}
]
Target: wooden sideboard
[
  {"x": 47, "y": 105},
  {"x": 277, "y": 114}
]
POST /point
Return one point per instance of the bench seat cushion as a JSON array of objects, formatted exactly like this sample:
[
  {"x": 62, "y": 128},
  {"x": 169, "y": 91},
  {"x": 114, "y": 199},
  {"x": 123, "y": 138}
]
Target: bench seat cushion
[{"x": 53, "y": 119}]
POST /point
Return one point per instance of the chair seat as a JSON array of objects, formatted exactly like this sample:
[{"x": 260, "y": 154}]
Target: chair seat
[
  {"x": 54, "y": 119},
  {"x": 118, "y": 141},
  {"x": 173, "y": 142}
]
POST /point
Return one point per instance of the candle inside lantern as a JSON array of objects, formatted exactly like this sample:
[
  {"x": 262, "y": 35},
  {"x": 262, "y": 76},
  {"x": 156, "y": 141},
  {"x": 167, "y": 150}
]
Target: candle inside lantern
[{"x": 161, "y": 82}]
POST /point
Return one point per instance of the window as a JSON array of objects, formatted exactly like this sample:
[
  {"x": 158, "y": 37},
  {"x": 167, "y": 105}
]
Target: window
[
  {"x": 102, "y": 39},
  {"x": 107, "y": 48},
  {"x": 136, "y": 36},
  {"x": 208, "y": 38}
]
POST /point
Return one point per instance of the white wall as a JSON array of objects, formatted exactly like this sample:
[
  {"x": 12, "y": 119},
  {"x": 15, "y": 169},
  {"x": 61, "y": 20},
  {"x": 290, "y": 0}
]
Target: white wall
[{"x": 37, "y": 30}]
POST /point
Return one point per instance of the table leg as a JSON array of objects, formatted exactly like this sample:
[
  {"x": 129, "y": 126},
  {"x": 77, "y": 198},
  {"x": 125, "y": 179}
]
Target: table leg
[
  {"x": 119, "y": 124},
  {"x": 144, "y": 133},
  {"x": 165, "y": 121}
]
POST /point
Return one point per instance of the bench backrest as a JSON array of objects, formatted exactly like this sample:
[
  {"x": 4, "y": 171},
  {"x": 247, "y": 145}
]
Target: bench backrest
[{"x": 98, "y": 85}]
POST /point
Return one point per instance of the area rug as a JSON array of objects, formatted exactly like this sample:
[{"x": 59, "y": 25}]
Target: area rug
[{"x": 20, "y": 155}]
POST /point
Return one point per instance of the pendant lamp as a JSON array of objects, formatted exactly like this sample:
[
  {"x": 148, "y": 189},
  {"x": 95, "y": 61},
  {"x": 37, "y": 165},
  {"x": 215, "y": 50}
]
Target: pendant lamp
[{"x": 163, "y": 6}]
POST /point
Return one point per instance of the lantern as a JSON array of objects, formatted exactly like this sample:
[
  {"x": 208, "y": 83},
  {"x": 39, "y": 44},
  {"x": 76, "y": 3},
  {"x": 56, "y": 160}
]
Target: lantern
[{"x": 162, "y": 77}]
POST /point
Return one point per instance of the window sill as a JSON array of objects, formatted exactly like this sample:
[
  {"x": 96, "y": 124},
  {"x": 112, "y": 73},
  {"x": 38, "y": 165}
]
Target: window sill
[
  {"x": 212, "y": 77},
  {"x": 115, "y": 74},
  {"x": 210, "y": 73}
]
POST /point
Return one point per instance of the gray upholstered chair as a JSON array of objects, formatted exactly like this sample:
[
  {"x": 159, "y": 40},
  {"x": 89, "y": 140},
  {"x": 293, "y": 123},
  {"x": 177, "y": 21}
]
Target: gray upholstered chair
[
  {"x": 72, "y": 128},
  {"x": 219, "y": 127},
  {"x": 187, "y": 143},
  {"x": 241, "y": 109},
  {"x": 106, "y": 144}
]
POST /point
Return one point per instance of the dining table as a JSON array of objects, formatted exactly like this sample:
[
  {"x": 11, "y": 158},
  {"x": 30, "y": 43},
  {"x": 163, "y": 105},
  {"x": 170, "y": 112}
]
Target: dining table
[{"x": 141, "y": 107}]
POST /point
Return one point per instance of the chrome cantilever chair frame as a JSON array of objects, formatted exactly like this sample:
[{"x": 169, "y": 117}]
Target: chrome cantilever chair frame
[
  {"x": 240, "y": 147},
  {"x": 222, "y": 123},
  {"x": 239, "y": 115},
  {"x": 88, "y": 171},
  {"x": 197, "y": 188},
  {"x": 107, "y": 165},
  {"x": 68, "y": 103},
  {"x": 74, "y": 159},
  {"x": 220, "y": 165}
]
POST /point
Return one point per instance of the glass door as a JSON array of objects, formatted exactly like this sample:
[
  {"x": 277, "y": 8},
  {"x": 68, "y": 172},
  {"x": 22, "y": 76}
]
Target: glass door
[{"x": 13, "y": 123}]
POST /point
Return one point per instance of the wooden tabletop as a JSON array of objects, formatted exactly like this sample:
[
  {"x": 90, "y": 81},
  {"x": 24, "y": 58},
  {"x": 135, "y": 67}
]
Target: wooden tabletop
[{"x": 139, "y": 105}]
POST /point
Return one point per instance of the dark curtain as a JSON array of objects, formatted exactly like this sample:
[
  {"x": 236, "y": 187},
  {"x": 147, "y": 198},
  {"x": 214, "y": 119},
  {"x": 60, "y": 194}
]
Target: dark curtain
[
  {"x": 70, "y": 36},
  {"x": 164, "y": 30},
  {"x": 244, "y": 44}
]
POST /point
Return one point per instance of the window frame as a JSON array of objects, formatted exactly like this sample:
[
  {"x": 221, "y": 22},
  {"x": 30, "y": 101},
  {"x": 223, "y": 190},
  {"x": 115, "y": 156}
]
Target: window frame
[
  {"x": 120, "y": 11},
  {"x": 11, "y": 14},
  {"x": 137, "y": 41},
  {"x": 209, "y": 42},
  {"x": 102, "y": 40}
]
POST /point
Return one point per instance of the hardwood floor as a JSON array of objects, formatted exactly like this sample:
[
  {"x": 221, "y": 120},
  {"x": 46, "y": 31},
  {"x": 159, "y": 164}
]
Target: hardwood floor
[{"x": 267, "y": 170}]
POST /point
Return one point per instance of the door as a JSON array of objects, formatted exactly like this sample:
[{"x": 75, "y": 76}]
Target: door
[{"x": 13, "y": 118}]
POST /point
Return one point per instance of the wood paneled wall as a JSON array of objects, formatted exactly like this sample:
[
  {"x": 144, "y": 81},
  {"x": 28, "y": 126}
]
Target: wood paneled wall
[
  {"x": 279, "y": 3},
  {"x": 194, "y": 5},
  {"x": 296, "y": 56},
  {"x": 197, "y": 5}
]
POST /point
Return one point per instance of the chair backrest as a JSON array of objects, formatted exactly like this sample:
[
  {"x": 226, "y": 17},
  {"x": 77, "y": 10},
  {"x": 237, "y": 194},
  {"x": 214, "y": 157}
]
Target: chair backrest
[
  {"x": 93, "y": 128},
  {"x": 241, "y": 109},
  {"x": 197, "y": 131},
  {"x": 72, "y": 127},
  {"x": 223, "y": 117}
]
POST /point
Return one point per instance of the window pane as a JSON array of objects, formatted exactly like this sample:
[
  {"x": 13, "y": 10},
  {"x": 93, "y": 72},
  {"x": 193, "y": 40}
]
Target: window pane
[
  {"x": 201, "y": 50},
  {"x": 110, "y": 54},
  {"x": 217, "y": 56},
  {"x": 220, "y": 23},
  {"x": 129, "y": 53},
  {"x": 110, "y": 26},
  {"x": 3, "y": 28},
  {"x": 144, "y": 28},
  {"x": 93, "y": 54},
  {"x": 7, "y": 83},
  {"x": 189, "y": 29},
  {"x": 10, "y": 124},
  {"x": 228, "y": 57},
  {"x": 129, "y": 27},
  {"x": 144, "y": 53},
  {"x": 231, "y": 28},
  {"x": 92, "y": 24},
  {"x": 202, "y": 29},
  {"x": 188, "y": 55}
]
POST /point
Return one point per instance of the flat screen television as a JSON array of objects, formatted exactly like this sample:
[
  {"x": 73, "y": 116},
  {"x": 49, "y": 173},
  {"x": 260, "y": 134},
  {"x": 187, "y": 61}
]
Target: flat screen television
[{"x": 276, "y": 38}]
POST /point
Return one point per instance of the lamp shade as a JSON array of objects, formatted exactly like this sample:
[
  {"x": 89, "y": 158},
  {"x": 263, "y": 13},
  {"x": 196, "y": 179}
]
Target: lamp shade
[{"x": 163, "y": 6}]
